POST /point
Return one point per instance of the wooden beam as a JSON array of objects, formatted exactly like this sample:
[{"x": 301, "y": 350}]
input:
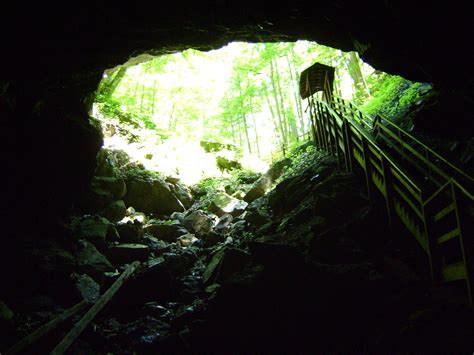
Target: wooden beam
[
  {"x": 96, "y": 308},
  {"x": 46, "y": 328}
]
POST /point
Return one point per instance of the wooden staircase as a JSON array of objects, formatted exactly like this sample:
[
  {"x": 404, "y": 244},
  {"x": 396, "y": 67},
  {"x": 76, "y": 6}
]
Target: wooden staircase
[{"x": 426, "y": 194}]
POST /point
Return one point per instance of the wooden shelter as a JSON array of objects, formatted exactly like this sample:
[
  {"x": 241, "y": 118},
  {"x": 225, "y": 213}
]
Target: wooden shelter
[{"x": 318, "y": 77}]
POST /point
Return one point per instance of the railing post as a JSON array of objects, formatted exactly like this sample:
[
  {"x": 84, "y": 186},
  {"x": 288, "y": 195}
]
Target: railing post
[
  {"x": 389, "y": 195},
  {"x": 365, "y": 154},
  {"x": 466, "y": 247},
  {"x": 434, "y": 256},
  {"x": 348, "y": 138}
]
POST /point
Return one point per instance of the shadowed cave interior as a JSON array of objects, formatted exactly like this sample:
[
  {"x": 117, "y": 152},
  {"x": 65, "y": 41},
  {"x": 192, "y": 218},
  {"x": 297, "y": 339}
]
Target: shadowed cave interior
[{"x": 312, "y": 266}]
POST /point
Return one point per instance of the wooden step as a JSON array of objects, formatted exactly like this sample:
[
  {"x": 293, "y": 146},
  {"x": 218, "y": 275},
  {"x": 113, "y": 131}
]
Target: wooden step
[{"x": 454, "y": 272}]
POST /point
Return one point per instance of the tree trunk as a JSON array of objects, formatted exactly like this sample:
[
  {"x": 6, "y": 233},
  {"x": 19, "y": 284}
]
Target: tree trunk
[
  {"x": 246, "y": 130},
  {"x": 283, "y": 129},
  {"x": 274, "y": 118},
  {"x": 257, "y": 143},
  {"x": 152, "y": 104},
  {"x": 146, "y": 66},
  {"x": 357, "y": 76},
  {"x": 109, "y": 86},
  {"x": 296, "y": 94}
]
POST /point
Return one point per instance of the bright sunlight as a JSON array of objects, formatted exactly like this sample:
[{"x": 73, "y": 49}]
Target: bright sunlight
[{"x": 243, "y": 96}]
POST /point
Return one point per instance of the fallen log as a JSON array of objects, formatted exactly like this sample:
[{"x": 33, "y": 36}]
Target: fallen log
[
  {"x": 96, "y": 308},
  {"x": 46, "y": 328}
]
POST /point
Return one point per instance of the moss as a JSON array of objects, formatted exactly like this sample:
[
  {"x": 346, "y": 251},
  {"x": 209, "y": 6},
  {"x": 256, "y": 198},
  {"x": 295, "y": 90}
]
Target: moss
[{"x": 396, "y": 97}]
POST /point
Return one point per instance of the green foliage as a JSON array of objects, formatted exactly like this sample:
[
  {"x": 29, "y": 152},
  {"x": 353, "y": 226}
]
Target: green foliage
[
  {"x": 303, "y": 157},
  {"x": 257, "y": 93},
  {"x": 206, "y": 190},
  {"x": 394, "y": 97}
]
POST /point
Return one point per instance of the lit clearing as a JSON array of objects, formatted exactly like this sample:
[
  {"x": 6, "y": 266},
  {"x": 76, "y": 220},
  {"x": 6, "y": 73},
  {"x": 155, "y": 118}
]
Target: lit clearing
[{"x": 245, "y": 97}]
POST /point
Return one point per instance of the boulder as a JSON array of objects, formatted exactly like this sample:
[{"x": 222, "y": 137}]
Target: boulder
[
  {"x": 114, "y": 211},
  {"x": 258, "y": 189},
  {"x": 225, "y": 262},
  {"x": 135, "y": 216},
  {"x": 173, "y": 179},
  {"x": 239, "y": 194},
  {"x": 257, "y": 218},
  {"x": 90, "y": 261},
  {"x": 113, "y": 185},
  {"x": 87, "y": 288},
  {"x": 156, "y": 245},
  {"x": 212, "y": 238},
  {"x": 183, "y": 194},
  {"x": 155, "y": 277},
  {"x": 130, "y": 232},
  {"x": 179, "y": 263},
  {"x": 186, "y": 240},
  {"x": 222, "y": 204},
  {"x": 223, "y": 223},
  {"x": 198, "y": 222},
  {"x": 277, "y": 169},
  {"x": 92, "y": 228},
  {"x": 94, "y": 199},
  {"x": 164, "y": 231},
  {"x": 127, "y": 253},
  {"x": 152, "y": 196}
]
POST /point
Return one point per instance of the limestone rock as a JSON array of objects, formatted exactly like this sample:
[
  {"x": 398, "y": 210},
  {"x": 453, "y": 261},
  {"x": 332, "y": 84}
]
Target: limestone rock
[
  {"x": 257, "y": 218},
  {"x": 156, "y": 245},
  {"x": 87, "y": 288},
  {"x": 179, "y": 263},
  {"x": 90, "y": 261},
  {"x": 92, "y": 228},
  {"x": 152, "y": 196},
  {"x": 223, "y": 204},
  {"x": 113, "y": 185},
  {"x": 258, "y": 189},
  {"x": 183, "y": 194},
  {"x": 223, "y": 223},
  {"x": 114, "y": 211},
  {"x": 130, "y": 232},
  {"x": 186, "y": 240},
  {"x": 135, "y": 216},
  {"x": 225, "y": 263},
  {"x": 94, "y": 199},
  {"x": 198, "y": 222},
  {"x": 164, "y": 231},
  {"x": 127, "y": 253},
  {"x": 239, "y": 194}
]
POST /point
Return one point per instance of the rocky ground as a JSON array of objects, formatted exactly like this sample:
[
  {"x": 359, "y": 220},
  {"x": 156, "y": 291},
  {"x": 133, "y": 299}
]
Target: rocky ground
[{"x": 294, "y": 260}]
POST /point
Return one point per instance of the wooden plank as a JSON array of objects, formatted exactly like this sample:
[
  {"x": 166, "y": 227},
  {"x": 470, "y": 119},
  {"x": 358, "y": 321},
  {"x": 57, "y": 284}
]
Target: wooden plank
[
  {"x": 374, "y": 151},
  {"x": 376, "y": 166},
  {"x": 405, "y": 181},
  {"x": 411, "y": 225},
  {"x": 46, "y": 328},
  {"x": 96, "y": 308},
  {"x": 454, "y": 272},
  {"x": 409, "y": 201},
  {"x": 415, "y": 152},
  {"x": 378, "y": 181},
  {"x": 444, "y": 212},
  {"x": 450, "y": 235},
  {"x": 357, "y": 143}
]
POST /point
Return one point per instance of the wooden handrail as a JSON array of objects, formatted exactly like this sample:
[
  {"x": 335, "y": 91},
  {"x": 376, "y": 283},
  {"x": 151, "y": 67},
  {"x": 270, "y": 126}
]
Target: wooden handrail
[{"x": 405, "y": 175}]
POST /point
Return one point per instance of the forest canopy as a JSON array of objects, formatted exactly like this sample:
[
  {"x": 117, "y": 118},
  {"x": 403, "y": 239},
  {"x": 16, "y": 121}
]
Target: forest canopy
[{"x": 244, "y": 95}]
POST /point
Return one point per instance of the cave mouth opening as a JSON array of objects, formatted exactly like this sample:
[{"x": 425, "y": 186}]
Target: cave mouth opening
[{"x": 166, "y": 111}]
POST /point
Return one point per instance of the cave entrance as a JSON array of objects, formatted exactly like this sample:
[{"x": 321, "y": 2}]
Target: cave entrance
[{"x": 168, "y": 112}]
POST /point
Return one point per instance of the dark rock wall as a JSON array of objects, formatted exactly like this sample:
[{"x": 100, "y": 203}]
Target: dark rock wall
[{"x": 53, "y": 58}]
